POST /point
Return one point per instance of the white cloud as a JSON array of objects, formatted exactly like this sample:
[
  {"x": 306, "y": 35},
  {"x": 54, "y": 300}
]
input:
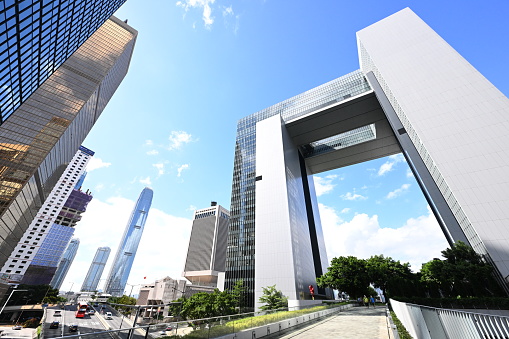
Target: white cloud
[
  {"x": 146, "y": 181},
  {"x": 103, "y": 225},
  {"x": 353, "y": 196},
  {"x": 191, "y": 208},
  {"x": 323, "y": 185},
  {"x": 160, "y": 169},
  {"x": 345, "y": 210},
  {"x": 178, "y": 139},
  {"x": 181, "y": 168},
  {"x": 96, "y": 163},
  {"x": 389, "y": 164},
  {"x": 417, "y": 241},
  {"x": 204, "y": 5},
  {"x": 149, "y": 142},
  {"x": 153, "y": 152},
  {"x": 397, "y": 192},
  {"x": 227, "y": 11},
  {"x": 99, "y": 187},
  {"x": 409, "y": 173}
]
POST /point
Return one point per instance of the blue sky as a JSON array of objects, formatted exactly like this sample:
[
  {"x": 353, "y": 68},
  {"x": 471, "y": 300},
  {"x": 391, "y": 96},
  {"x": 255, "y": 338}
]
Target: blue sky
[{"x": 201, "y": 65}]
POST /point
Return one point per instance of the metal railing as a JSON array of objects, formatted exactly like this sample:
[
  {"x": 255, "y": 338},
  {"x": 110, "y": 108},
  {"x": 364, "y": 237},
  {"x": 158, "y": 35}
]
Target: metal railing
[
  {"x": 223, "y": 326},
  {"x": 437, "y": 323}
]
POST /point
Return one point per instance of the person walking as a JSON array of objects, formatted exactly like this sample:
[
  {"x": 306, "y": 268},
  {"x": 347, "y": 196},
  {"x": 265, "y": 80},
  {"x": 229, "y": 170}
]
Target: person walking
[
  {"x": 372, "y": 301},
  {"x": 366, "y": 301}
]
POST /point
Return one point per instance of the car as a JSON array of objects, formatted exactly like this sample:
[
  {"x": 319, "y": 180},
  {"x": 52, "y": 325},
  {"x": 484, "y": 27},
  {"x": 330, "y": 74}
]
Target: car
[
  {"x": 169, "y": 328},
  {"x": 16, "y": 327},
  {"x": 91, "y": 312},
  {"x": 54, "y": 324},
  {"x": 73, "y": 328},
  {"x": 96, "y": 305},
  {"x": 109, "y": 315}
]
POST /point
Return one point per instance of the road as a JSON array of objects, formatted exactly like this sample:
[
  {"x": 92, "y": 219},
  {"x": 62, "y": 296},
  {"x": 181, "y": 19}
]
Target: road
[
  {"x": 89, "y": 324},
  {"x": 118, "y": 321}
]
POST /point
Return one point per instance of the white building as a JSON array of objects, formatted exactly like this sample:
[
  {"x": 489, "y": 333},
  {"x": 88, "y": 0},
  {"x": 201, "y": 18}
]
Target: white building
[{"x": 413, "y": 94}]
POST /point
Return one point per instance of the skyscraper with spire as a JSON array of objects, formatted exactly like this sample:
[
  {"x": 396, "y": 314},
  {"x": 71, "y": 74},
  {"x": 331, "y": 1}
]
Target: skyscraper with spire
[{"x": 121, "y": 267}]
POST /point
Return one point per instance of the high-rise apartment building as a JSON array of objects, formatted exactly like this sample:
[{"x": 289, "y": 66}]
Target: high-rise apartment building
[
  {"x": 206, "y": 254},
  {"x": 37, "y": 254},
  {"x": 413, "y": 94},
  {"x": 42, "y": 135},
  {"x": 126, "y": 252},
  {"x": 96, "y": 270},
  {"x": 65, "y": 263},
  {"x": 37, "y": 37}
]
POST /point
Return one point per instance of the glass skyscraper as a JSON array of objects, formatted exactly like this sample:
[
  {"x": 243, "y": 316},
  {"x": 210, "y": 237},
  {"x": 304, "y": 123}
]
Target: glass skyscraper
[
  {"x": 42, "y": 135},
  {"x": 36, "y": 37},
  {"x": 65, "y": 263},
  {"x": 96, "y": 269},
  {"x": 121, "y": 267}
]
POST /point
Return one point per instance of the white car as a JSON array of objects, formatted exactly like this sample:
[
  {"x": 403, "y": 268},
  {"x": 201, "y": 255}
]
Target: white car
[{"x": 109, "y": 316}]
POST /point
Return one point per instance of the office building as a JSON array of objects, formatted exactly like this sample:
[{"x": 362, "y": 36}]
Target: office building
[
  {"x": 126, "y": 252},
  {"x": 37, "y": 254},
  {"x": 96, "y": 270},
  {"x": 42, "y": 135},
  {"x": 37, "y": 37},
  {"x": 412, "y": 94},
  {"x": 65, "y": 263},
  {"x": 206, "y": 254}
]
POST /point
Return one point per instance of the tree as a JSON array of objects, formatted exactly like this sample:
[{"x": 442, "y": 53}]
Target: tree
[
  {"x": 389, "y": 275},
  {"x": 346, "y": 274},
  {"x": 462, "y": 273},
  {"x": 205, "y": 305},
  {"x": 123, "y": 300},
  {"x": 238, "y": 293},
  {"x": 272, "y": 298}
]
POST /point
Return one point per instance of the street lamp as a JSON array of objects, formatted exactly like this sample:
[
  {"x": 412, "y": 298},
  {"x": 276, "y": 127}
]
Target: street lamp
[{"x": 10, "y": 295}]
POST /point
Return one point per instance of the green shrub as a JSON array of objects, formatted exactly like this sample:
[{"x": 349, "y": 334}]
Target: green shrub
[{"x": 403, "y": 333}]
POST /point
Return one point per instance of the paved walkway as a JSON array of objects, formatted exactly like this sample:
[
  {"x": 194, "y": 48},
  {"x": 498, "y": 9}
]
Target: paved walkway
[{"x": 353, "y": 323}]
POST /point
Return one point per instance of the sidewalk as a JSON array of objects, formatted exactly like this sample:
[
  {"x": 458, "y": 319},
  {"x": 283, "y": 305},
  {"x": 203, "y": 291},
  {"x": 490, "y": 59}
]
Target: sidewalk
[{"x": 354, "y": 323}]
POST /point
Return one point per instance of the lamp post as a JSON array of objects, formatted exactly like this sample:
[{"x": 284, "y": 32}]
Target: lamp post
[{"x": 10, "y": 295}]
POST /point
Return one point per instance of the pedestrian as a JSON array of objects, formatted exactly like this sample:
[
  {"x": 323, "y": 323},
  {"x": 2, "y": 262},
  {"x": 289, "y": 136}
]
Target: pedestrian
[
  {"x": 372, "y": 300},
  {"x": 366, "y": 301},
  {"x": 359, "y": 301}
]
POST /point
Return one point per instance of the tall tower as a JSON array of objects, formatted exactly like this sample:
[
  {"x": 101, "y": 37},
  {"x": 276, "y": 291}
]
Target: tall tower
[
  {"x": 42, "y": 135},
  {"x": 96, "y": 269},
  {"x": 37, "y": 254},
  {"x": 39, "y": 37},
  {"x": 206, "y": 254},
  {"x": 65, "y": 263},
  {"x": 121, "y": 267}
]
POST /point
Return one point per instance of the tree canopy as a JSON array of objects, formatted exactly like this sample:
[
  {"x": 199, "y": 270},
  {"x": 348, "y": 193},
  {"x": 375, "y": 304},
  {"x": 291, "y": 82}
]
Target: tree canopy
[
  {"x": 35, "y": 294},
  {"x": 205, "y": 305},
  {"x": 272, "y": 298},
  {"x": 462, "y": 273},
  {"x": 346, "y": 274}
]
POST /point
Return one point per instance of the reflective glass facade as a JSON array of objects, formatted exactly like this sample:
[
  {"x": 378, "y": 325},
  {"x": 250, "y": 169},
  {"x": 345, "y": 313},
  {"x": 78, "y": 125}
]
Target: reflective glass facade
[
  {"x": 121, "y": 267},
  {"x": 96, "y": 269},
  {"x": 240, "y": 260},
  {"x": 37, "y": 36},
  {"x": 65, "y": 263},
  {"x": 41, "y": 137}
]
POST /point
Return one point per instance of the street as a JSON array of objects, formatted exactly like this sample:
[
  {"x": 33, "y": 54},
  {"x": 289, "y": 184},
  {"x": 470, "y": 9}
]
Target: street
[{"x": 89, "y": 324}]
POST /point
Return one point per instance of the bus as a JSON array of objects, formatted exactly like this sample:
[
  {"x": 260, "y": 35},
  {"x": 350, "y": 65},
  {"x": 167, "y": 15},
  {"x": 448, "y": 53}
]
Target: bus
[{"x": 82, "y": 310}]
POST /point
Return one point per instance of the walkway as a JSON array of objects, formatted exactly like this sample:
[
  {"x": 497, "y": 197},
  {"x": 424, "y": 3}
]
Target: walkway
[{"x": 354, "y": 323}]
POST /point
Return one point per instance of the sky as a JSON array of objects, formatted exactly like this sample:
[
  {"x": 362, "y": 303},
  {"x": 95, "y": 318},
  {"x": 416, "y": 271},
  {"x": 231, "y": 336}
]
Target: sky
[{"x": 201, "y": 65}]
